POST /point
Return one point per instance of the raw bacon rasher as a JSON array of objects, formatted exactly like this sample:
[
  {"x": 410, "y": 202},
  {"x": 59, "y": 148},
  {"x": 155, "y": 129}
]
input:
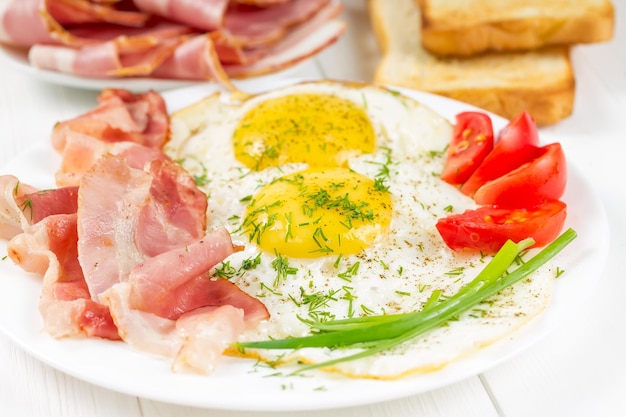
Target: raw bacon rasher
[
  {"x": 179, "y": 39},
  {"x": 123, "y": 250}
]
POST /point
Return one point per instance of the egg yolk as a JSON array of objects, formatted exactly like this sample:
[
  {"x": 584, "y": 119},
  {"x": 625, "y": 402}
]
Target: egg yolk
[
  {"x": 321, "y": 130},
  {"x": 318, "y": 212}
]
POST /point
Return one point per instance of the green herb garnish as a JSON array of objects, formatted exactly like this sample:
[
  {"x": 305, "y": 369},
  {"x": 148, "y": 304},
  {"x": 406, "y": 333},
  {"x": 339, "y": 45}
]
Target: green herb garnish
[{"x": 382, "y": 332}]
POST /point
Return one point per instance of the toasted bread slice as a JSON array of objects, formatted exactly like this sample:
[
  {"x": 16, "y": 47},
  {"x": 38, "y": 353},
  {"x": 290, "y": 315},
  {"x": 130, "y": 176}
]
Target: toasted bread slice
[
  {"x": 464, "y": 27},
  {"x": 541, "y": 82}
]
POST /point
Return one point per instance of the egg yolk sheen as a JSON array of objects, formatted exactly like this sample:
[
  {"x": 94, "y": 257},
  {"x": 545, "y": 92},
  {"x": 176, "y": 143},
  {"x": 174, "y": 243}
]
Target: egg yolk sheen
[
  {"x": 317, "y": 129},
  {"x": 318, "y": 212}
]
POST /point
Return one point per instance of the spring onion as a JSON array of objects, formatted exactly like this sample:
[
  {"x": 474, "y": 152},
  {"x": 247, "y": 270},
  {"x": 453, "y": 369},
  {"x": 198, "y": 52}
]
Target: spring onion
[{"x": 379, "y": 333}]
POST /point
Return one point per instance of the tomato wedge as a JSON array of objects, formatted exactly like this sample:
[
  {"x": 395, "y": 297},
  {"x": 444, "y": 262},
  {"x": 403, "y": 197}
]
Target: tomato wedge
[
  {"x": 531, "y": 184},
  {"x": 487, "y": 228},
  {"x": 516, "y": 144},
  {"x": 472, "y": 140}
]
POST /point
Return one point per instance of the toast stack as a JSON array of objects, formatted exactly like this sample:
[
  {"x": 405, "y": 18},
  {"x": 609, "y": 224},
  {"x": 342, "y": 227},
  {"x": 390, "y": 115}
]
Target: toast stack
[{"x": 505, "y": 56}]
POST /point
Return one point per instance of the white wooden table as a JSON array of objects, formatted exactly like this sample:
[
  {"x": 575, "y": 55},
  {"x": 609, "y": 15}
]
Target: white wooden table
[{"x": 578, "y": 370}]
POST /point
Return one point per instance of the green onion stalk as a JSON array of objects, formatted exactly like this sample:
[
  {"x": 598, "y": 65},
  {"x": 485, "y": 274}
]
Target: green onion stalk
[{"x": 379, "y": 333}]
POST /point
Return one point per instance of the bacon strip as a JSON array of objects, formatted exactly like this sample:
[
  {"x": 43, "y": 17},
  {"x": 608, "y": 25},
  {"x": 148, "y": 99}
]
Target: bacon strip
[
  {"x": 196, "y": 340},
  {"x": 107, "y": 250},
  {"x": 190, "y": 40},
  {"x": 103, "y": 60},
  {"x": 262, "y": 3},
  {"x": 30, "y": 22},
  {"x": 124, "y": 253},
  {"x": 247, "y": 26},
  {"x": 72, "y": 12},
  {"x": 12, "y": 219},
  {"x": 187, "y": 286},
  {"x": 304, "y": 41},
  {"x": 120, "y": 116},
  {"x": 195, "y": 59},
  {"x": 38, "y": 205},
  {"x": 22, "y": 25},
  {"x": 175, "y": 215},
  {"x": 49, "y": 248},
  {"x": 82, "y": 151},
  {"x": 206, "y": 15}
]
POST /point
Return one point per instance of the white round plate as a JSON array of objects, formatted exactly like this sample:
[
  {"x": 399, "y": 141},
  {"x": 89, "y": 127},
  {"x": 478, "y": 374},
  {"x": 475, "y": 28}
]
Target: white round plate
[
  {"x": 18, "y": 59},
  {"x": 241, "y": 384}
]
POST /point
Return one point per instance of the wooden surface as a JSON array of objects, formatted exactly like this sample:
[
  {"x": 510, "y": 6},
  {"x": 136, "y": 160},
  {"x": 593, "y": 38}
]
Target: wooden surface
[{"x": 578, "y": 370}]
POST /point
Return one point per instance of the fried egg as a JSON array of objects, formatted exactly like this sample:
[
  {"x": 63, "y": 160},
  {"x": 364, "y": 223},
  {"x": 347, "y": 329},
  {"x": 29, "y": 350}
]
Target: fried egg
[{"x": 333, "y": 191}]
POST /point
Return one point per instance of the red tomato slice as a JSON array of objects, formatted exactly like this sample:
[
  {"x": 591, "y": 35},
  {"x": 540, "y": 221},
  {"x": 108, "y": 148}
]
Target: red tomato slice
[
  {"x": 488, "y": 228},
  {"x": 472, "y": 140},
  {"x": 516, "y": 144},
  {"x": 531, "y": 184}
]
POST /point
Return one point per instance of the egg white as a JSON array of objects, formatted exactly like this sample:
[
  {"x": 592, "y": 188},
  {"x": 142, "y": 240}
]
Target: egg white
[{"x": 396, "y": 274}]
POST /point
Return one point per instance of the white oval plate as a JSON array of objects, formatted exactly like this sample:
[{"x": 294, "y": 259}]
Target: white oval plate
[{"x": 240, "y": 384}]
